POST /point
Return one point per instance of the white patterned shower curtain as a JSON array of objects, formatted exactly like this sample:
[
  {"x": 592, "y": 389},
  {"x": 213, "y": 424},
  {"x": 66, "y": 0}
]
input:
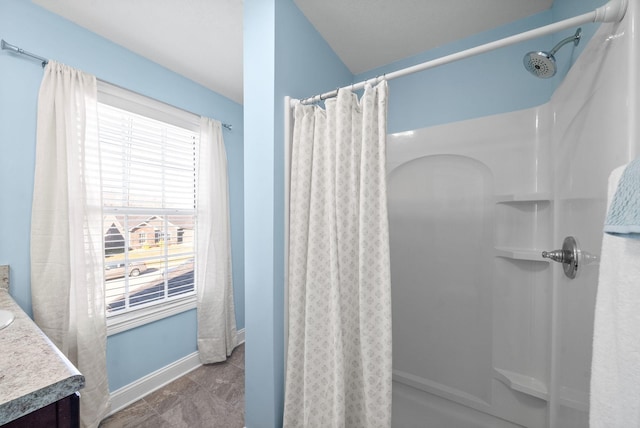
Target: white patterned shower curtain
[{"x": 339, "y": 345}]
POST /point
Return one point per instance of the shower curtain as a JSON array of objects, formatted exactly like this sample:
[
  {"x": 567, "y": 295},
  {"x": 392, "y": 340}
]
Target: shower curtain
[{"x": 339, "y": 345}]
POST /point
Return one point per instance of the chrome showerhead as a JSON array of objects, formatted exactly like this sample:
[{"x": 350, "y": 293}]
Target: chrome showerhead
[
  {"x": 543, "y": 64},
  {"x": 540, "y": 64}
]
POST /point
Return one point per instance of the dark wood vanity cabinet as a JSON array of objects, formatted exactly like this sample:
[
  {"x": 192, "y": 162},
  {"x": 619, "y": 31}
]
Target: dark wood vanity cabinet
[{"x": 64, "y": 413}]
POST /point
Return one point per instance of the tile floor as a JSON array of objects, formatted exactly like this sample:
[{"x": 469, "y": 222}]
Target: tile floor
[{"x": 210, "y": 396}]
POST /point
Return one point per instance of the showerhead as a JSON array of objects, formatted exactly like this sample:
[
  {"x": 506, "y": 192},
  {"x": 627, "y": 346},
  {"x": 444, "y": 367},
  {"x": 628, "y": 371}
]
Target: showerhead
[
  {"x": 540, "y": 64},
  {"x": 543, "y": 64}
]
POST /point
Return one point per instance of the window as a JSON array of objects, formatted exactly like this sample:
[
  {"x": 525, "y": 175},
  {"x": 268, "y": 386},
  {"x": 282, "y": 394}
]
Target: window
[{"x": 148, "y": 159}]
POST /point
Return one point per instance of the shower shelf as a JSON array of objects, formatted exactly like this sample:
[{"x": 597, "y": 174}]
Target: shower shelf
[
  {"x": 523, "y": 197},
  {"x": 520, "y": 254},
  {"x": 522, "y": 383}
]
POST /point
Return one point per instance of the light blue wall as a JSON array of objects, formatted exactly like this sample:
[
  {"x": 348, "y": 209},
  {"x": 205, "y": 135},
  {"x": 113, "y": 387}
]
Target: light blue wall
[
  {"x": 263, "y": 372},
  {"x": 486, "y": 84},
  {"x": 137, "y": 352},
  {"x": 491, "y": 83},
  {"x": 283, "y": 55},
  {"x": 132, "y": 353}
]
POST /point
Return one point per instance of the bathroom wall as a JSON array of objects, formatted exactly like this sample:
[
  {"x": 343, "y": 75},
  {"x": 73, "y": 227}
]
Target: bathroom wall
[
  {"x": 137, "y": 352},
  {"x": 283, "y": 55}
]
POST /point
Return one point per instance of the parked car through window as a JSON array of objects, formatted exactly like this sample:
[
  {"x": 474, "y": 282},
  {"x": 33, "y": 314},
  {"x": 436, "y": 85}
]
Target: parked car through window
[{"x": 117, "y": 270}]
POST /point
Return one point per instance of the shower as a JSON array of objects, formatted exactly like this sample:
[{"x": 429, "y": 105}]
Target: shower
[
  {"x": 543, "y": 64},
  {"x": 486, "y": 333}
]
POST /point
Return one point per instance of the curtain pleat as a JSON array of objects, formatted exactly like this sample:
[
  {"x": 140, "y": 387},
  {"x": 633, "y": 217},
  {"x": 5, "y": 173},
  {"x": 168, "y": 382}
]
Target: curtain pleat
[
  {"x": 339, "y": 345},
  {"x": 66, "y": 231},
  {"x": 217, "y": 335}
]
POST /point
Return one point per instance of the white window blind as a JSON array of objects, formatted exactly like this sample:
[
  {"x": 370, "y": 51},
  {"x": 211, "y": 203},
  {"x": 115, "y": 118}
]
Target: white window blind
[{"x": 149, "y": 198}]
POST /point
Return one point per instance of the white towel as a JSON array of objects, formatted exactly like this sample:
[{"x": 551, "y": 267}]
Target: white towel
[{"x": 615, "y": 367}]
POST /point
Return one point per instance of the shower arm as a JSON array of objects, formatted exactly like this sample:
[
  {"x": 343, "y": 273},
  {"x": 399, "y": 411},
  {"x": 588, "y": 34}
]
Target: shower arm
[{"x": 575, "y": 39}]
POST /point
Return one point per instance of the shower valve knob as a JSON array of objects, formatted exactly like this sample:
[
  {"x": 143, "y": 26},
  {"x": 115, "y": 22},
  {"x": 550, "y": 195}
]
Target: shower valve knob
[
  {"x": 556, "y": 255},
  {"x": 569, "y": 256}
]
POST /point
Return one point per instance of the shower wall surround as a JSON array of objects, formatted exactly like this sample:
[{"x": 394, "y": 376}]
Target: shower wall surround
[
  {"x": 470, "y": 213},
  {"x": 487, "y": 333}
]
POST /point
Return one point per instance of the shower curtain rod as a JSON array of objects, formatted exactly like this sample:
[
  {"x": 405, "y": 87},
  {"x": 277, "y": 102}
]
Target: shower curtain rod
[
  {"x": 613, "y": 11},
  {"x": 9, "y": 47}
]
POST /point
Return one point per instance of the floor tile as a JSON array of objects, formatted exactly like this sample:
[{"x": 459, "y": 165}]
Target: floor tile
[
  {"x": 210, "y": 396},
  {"x": 139, "y": 414},
  {"x": 171, "y": 394},
  {"x": 225, "y": 381},
  {"x": 237, "y": 357}
]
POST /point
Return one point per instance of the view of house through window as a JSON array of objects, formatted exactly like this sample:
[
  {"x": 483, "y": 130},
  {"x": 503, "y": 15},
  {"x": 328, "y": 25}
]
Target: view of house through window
[{"x": 148, "y": 190}]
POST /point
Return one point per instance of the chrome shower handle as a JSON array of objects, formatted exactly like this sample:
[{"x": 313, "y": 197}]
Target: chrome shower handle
[
  {"x": 569, "y": 256},
  {"x": 556, "y": 255}
]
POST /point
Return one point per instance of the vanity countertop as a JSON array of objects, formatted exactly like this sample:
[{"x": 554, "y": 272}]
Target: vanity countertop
[{"x": 33, "y": 372}]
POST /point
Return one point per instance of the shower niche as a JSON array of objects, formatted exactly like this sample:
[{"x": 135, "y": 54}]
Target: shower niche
[{"x": 470, "y": 214}]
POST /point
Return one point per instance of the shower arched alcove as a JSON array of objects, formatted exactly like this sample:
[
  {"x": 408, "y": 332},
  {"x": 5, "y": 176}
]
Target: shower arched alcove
[{"x": 441, "y": 216}]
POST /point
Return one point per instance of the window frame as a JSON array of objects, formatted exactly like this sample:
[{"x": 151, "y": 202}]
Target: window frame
[{"x": 139, "y": 104}]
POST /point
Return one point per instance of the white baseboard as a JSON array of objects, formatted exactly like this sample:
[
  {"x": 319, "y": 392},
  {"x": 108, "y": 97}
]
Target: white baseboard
[{"x": 128, "y": 394}]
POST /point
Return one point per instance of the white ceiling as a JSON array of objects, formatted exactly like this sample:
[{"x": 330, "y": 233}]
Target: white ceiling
[
  {"x": 199, "y": 39},
  {"x": 202, "y": 39},
  {"x": 366, "y": 34}
]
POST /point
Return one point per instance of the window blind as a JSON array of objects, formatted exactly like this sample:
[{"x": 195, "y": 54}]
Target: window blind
[{"x": 149, "y": 199}]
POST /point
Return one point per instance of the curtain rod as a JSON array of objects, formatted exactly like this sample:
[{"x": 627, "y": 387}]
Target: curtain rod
[
  {"x": 7, "y": 46},
  {"x": 613, "y": 11}
]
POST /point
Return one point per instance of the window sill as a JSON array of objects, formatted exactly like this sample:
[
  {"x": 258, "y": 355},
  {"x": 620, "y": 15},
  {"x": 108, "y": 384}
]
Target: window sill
[{"x": 123, "y": 322}]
